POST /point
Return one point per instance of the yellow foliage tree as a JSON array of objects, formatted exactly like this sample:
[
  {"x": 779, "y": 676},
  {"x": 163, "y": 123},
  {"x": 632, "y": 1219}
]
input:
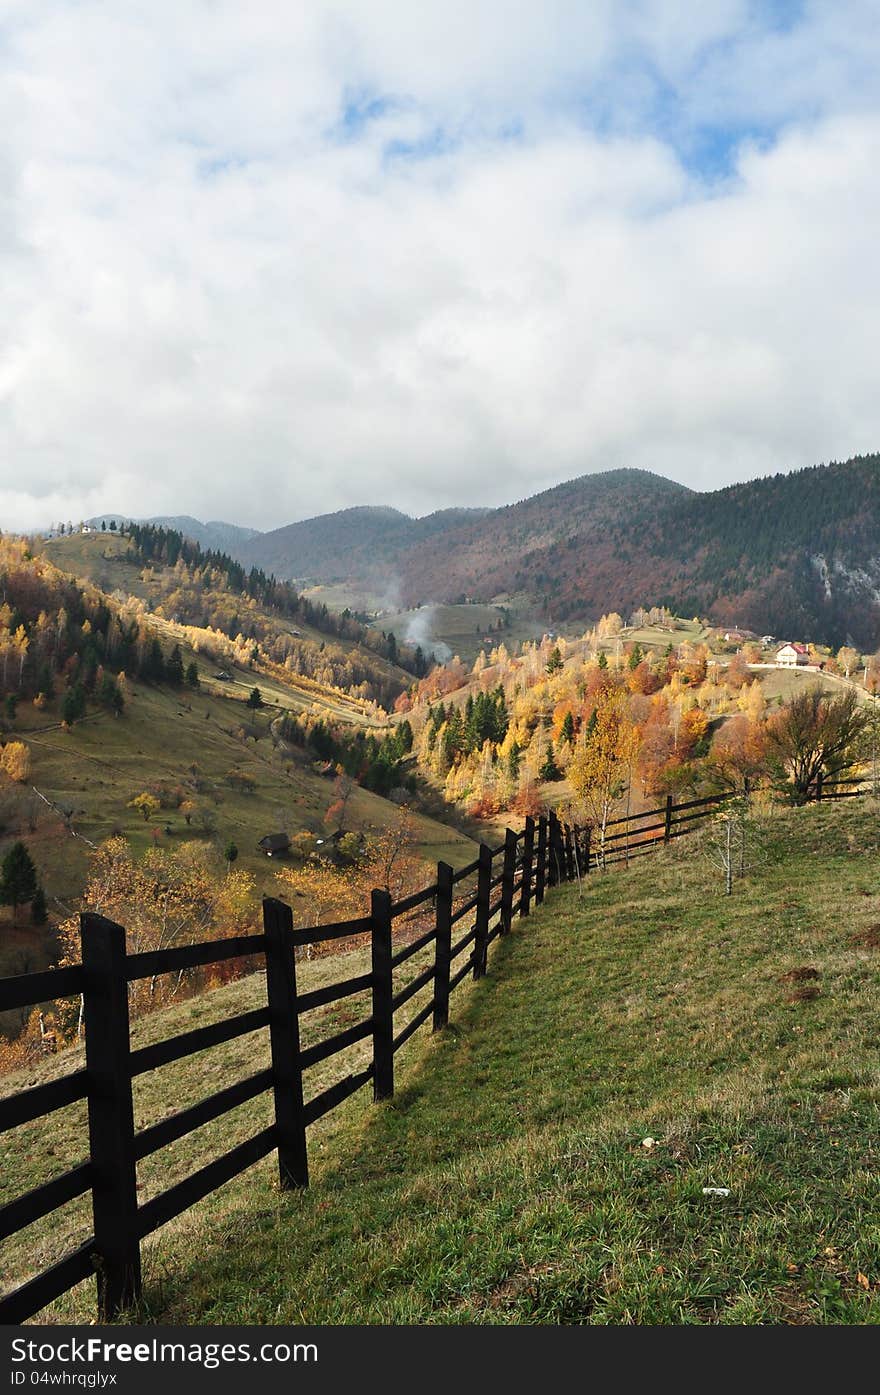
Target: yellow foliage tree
[
  {"x": 15, "y": 761},
  {"x": 146, "y": 804},
  {"x": 601, "y": 767},
  {"x": 164, "y": 898}
]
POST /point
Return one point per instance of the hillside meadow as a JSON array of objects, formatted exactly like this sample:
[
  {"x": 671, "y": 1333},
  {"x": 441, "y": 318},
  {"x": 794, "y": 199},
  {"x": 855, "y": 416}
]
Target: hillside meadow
[{"x": 547, "y": 1158}]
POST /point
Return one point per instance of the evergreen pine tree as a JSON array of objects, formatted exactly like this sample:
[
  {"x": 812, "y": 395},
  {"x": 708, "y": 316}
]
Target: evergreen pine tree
[
  {"x": 18, "y": 877},
  {"x": 153, "y": 666},
  {"x": 174, "y": 668},
  {"x": 513, "y": 759},
  {"x": 73, "y": 704},
  {"x": 109, "y": 694},
  {"x": 550, "y": 770}
]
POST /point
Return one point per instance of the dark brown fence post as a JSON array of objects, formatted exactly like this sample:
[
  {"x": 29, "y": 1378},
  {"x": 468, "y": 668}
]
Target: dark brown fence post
[
  {"x": 383, "y": 1010},
  {"x": 556, "y": 868},
  {"x": 569, "y": 853},
  {"x": 484, "y": 892},
  {"x": 541, "y": 870},
  {"x": 443, "y": 945},
  {"x": 508, "y": 877},
  {"x": 293, "y": 1165},
  {"x": 525, "y": 896},
  {"x": 819, "y": 783},
  {"x": 111, "y": 1116},
  {"x": 667, "y": 825}
]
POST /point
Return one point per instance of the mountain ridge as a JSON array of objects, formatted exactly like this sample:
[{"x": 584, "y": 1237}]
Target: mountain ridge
[
  {"x": 795, "y": 553},
  {"x": 214, "y": 535}
]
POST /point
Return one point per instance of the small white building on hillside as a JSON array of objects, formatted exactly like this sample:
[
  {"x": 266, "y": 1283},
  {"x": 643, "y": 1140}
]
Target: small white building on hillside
[{"x": 792, "y": 656}]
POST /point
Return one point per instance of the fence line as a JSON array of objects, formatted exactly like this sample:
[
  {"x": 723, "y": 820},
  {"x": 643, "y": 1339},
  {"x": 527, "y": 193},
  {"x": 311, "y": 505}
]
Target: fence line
[{"x": 540, "y": 857}]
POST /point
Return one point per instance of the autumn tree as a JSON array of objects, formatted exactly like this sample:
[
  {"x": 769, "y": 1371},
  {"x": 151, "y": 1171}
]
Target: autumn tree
[
  {"x": 15, "y": 761},
  {"x": 815, "y": 735},
  {"x": 601, "y": 767},
  {"x": 146, "y": 804},
  {"x": 330, "y": 892},
  {"x": 241, "y": 781},
  {"x": 738, "y": 755},
  {"x": 337, "y": 811},
  {"x": 738, "y": 672},
  {"x": 163, "y": 898},
  {"x": 391, "y": 861}
]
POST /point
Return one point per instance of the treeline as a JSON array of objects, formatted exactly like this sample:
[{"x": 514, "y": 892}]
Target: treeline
[
  {"x": 376, "y": 762},
  {"x": 167, "y": 547}
]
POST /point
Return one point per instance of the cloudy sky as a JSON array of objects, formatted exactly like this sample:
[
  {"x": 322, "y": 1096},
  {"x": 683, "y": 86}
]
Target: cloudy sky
[{"x": 259, "y": 261}]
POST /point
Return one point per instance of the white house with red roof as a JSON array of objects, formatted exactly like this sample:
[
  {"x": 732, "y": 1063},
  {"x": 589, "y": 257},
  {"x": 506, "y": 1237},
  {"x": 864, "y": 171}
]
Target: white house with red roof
[{"x": 792, "y": 656}]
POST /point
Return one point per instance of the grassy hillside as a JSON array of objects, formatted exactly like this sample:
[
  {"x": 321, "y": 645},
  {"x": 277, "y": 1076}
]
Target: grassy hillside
[
  {"x": 545, "y": 1159},
  {"x": 102, "y": 762}
]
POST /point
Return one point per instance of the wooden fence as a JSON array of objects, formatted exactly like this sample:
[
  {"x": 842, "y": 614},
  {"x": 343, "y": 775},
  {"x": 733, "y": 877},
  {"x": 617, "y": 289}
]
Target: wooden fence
[{"x": 542, "y": 855}]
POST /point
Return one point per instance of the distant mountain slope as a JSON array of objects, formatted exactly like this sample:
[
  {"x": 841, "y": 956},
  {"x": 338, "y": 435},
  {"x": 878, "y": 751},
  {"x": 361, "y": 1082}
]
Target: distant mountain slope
[
  {"x": 798, "y": 553},
  {"x": 532, "y": 545},
  {"x": 795, "y": 554},
  {"x": 359, "y": 543},
  {"x": 216, "y": 535}
]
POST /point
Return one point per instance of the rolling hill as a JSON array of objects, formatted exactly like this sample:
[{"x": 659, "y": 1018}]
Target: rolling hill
[
  {"x": 359, "y": 543},
  {"x": 797, "y": 554}
]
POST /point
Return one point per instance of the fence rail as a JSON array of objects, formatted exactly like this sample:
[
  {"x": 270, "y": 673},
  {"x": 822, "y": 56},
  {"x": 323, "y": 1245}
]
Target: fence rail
[{"x": 532, "y": 861}]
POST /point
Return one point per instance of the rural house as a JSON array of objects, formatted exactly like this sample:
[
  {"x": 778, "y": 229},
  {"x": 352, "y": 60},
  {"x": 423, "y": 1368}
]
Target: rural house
[
  {"x": 792, "y": 656},
  {"x": 274, "y": 844}
]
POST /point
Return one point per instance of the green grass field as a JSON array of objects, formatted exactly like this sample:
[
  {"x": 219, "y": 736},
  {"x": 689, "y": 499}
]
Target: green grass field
[
  {"x": 657, "y": 636},
  {"x": 545, "y": 1160}
]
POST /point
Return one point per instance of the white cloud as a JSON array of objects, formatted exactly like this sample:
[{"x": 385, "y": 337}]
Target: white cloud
[{"x": 219, "y": 296}]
